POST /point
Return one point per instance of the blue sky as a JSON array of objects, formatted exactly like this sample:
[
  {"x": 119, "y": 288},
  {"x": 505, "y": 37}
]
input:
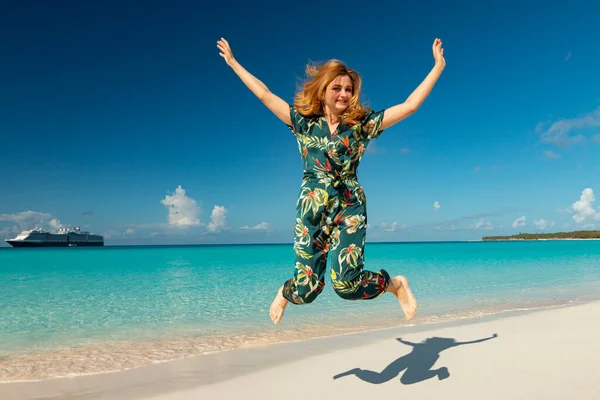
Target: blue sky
[{"x": 123, "y": 118}]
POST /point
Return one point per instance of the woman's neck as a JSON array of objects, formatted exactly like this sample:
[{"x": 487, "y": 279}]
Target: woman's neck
[{"x": 331, "y": 117}]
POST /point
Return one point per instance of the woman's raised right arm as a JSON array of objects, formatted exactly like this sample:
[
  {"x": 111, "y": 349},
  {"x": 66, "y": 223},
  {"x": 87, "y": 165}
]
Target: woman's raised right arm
[{"x": 274, "y": 103}]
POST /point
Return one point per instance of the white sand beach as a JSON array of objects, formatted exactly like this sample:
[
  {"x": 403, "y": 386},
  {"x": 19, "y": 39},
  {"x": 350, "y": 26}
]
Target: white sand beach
[{"x": 549, "y": 354}]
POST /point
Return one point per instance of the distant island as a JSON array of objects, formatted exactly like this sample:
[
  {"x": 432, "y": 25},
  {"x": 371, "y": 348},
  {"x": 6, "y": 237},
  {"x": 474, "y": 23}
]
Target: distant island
[{"x": 548, "y": 236}]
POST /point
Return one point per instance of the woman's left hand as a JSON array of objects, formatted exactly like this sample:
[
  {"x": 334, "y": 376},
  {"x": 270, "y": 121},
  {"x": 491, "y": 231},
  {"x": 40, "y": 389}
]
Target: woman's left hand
[{"x": 438, "y": 53}]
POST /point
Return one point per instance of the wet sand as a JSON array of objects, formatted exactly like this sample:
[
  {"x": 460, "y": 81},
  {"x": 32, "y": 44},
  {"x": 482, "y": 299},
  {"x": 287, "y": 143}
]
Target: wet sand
[{"x": 550, "y": 354}]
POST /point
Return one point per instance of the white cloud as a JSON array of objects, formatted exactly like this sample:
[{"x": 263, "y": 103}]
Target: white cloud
[
  {"x": 55, "y": 224},
  {"x": 120, "y": 234},
  {"x": 217, "y": 218},
  {"x": 393, "y": 227},
  {"x": 578, "y": 139},
  {"x": 481, "y": 224},
  {"x": 543, "y": 224},
  {"x": 519, "y": 222},
  {"x": 436, "y": 206},
  {"x": 560, "y": 132},
  {"x": 463, "y": 223},
  {"x": 476, "y": 169},
  {"x": 596, "y": 138},
  {"x": 583, "y": 210},
  {"x": 448, "y": 226},
  {"x": 262, "y": 226},
  {"x": 29, "y": 220},
  {"x": 26, "y": 217},
  {"x": 569, "y": 54},
  {"x": 551, "y": 154},
  {"x": 183, "y": 210},
  {"x": 404, "y": 150}
]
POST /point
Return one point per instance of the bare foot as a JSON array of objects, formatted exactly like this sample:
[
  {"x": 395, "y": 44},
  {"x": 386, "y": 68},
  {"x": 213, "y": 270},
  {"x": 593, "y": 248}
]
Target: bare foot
[
  {"x": 278, "y": 306},
  {"x": 399, "y": 288}
]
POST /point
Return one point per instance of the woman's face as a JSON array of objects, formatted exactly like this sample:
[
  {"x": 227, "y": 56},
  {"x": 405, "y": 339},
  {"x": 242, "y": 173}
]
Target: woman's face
[{"x": 338, "y": 94}]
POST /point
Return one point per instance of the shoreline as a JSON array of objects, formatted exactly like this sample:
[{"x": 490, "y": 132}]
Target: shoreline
[
  {"x": 164, "y": 351},
  {"x": 535, "y": 240},
  {"x": 216, "y": 372}
]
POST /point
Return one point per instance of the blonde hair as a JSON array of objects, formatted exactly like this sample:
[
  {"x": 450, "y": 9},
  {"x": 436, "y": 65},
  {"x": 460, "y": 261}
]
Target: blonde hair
[{"x": 308, "y": 100}]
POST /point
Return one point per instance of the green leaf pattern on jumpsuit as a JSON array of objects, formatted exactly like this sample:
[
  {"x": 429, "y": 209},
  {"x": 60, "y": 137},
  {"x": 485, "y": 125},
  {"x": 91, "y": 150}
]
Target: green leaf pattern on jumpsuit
[
  {"x": 312, "y": 199},
  {"x": 302, "y": 239},
  {"x": 316, "y": 142},
  {"x": 307, "y": 277},
  {"x": 335, "y": 238},
  {"x": 354, "y": 222},
  {"x": 346, "y": 287},
  {"x": 350, "y": 255},
  {"x": 301, "y": 232}
]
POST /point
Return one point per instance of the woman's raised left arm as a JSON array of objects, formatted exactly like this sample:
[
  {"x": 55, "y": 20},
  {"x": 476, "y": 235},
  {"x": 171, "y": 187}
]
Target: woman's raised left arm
[{"x": 398, "y": 112}]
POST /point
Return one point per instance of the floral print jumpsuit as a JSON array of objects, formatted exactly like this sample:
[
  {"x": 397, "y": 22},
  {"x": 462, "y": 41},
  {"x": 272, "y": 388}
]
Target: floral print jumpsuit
[{"x": 331, "y": 212}]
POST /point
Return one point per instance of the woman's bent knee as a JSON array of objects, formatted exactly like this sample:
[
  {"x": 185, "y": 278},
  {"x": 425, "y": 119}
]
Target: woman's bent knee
[
  {"x": 300, "y": 296},
  {"x": 347, "y": 290}
]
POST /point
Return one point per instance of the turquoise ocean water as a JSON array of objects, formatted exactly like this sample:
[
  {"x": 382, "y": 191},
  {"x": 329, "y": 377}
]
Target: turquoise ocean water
[{"x": 89, "y": 310}]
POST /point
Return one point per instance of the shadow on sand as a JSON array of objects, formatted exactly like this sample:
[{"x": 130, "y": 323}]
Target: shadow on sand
[{"x": 417, "y": 363}]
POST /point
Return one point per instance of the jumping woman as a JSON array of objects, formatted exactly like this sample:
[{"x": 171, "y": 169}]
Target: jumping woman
[{"x": 333, "y": 129}]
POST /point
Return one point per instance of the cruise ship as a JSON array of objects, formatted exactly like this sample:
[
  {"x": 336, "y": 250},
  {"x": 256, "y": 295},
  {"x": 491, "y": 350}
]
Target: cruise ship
[{"x": 70, "y": 237}]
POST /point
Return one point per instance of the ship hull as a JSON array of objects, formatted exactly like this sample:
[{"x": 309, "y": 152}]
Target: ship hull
[{"x": 19, "y": 243}]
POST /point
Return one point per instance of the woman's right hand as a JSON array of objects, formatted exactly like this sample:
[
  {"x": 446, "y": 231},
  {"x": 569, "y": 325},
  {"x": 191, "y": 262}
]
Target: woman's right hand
[
  {"x": 279, "y": 107},
  {"x": 226, "y": 53}
]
